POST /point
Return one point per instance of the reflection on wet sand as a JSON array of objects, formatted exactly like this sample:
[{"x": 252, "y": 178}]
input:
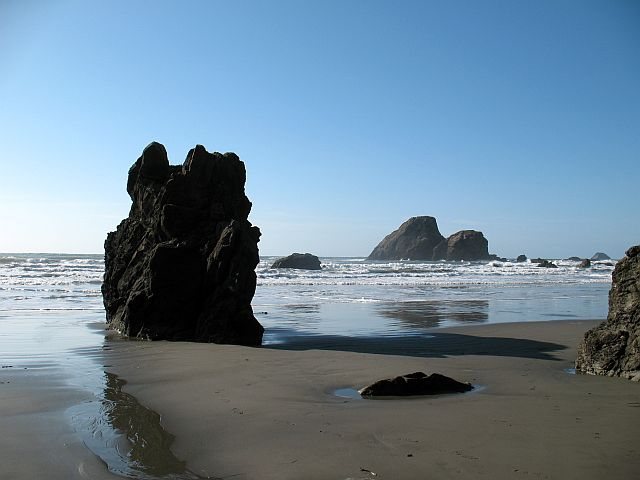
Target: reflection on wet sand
[
  {"x": 428, "y": 314},
  {"x": 127, "y": 436}
]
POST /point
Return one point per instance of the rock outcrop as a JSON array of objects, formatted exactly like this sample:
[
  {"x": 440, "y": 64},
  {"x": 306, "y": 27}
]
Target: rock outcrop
[
  {"x": 599, "y": 256},
  {"x": 182, "y": 265},
  {"x": 586, "y": 263},
  {"x": 467, "y": 245},
  {"x": 414, "y": 240},
  {"x": 546, "y": 264},
  {"x": 417, "y": 383},
  {"x": 301, "y": 261},
  {"x": 419, "y": 239},
  {"x": 521, "y": 258},
  {"x": 613, "y": 347}
]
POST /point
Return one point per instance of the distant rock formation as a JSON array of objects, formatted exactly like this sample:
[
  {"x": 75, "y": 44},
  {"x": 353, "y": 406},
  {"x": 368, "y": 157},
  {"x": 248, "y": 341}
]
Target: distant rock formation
[
  {"x": 417, "y": 383},
  {"x": 414, "y": 240},
  {"x": 301, "y": 261},
  {"x": 521, "y": 258},
  {"x": 182, "y": 265},
  {"x": 574, "y": 259},
  {"x": 467, "y": 245},
  {"x": 613, "y": 347},
  {"x": 586, "y": 263},
  {"x": 419, "y": 239},
  {"x": 546, "y": 264},
  {"x": 598, "y": 256}
]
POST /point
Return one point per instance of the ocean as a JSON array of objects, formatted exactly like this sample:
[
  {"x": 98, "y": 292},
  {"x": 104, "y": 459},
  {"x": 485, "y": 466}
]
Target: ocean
[
  {"x": 47, "y": 299},
  {"x": 52, "y": 325}
]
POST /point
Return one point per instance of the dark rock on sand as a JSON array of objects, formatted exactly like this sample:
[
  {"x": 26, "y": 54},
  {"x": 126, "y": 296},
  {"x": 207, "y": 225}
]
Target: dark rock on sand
[
  {"x": 182, "y": 265},
  {"x": 613, "y": 347},
  {"x": 302, "y": 261},
  {"x": 418, "y": 383},
  {"x": 521, "y": 258},
  {"x": 600, "y": 256},
  {"x": 546, "y": 264},
  {"x": 463, "y": 245},
  {"x": 585, "y": 263},
  {"x": 414, "y": 240}
]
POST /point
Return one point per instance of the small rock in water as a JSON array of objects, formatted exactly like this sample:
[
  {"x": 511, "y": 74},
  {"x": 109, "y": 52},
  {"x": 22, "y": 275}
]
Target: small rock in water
[
  {"x": 301, "y": 261},
  {"x": 418, "y": 383}
]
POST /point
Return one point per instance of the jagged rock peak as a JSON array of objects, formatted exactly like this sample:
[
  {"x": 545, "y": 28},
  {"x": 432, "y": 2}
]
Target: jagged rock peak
[{"x": 181, "y": 266}]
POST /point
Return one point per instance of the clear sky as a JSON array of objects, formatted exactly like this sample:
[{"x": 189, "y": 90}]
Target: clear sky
[{"x": 517, "y": 118}]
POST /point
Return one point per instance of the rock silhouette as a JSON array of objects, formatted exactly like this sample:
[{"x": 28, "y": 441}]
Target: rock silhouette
[
  {"x": 613, "y": 347},
  {"x": 418, "y": 383},
  {"x": 301, "y": 261},
  {"x": 181, "y": 266},
  {"x": 415, "y": 239},
  {"x": 419, "y": 239},
  {"x": 467, "y": 245}
]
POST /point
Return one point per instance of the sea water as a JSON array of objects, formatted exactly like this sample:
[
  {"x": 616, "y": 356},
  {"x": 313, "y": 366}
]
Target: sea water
[
  {"x": 357, "y": 297},
  {"x": 349, "y": 296}
]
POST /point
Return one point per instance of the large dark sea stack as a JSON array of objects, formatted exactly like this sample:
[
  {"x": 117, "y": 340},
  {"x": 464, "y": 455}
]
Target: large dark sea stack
[
  {"x": 182, "y": 265},
  {"x": 467, "y": 245},
  {"x": 613, "y": 347},
  {"x": 414, "y": 240}
]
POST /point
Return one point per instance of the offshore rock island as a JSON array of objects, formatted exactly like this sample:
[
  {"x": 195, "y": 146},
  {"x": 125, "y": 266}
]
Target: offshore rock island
[
  {"x": 182, "y": 265},
  {"x": 419, "y": 239}
]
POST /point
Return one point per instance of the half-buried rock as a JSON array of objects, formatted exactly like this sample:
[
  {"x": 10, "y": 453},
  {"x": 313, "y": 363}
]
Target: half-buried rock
[
  {"x": 182, "y": 265},
  {"x": 417, "y": 383},
  {"x": 301, "y": 261}
]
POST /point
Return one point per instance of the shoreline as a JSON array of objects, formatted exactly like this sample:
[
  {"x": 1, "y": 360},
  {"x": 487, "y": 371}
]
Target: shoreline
[{"x": 271, "y": 413}]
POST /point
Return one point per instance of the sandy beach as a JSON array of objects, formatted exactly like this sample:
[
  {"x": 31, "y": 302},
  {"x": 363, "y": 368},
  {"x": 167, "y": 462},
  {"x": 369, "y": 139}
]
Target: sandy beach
[{"x": 266, "y": 413}]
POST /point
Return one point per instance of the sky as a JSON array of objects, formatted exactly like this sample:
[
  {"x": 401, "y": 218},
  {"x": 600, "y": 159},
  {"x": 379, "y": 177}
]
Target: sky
[{"x": 517, "y": 118}]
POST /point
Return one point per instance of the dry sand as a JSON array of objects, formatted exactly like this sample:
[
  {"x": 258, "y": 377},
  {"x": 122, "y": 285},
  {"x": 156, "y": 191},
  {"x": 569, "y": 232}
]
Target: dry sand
[{"x": 262, "y": 414}]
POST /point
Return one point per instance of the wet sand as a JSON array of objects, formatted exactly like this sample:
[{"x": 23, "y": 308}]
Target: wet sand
[{"x": 270, "y": 413}]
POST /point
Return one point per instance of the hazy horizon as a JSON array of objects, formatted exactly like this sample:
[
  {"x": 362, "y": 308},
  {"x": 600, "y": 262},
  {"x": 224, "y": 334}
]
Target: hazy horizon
[{"x": 518, "y": 119}]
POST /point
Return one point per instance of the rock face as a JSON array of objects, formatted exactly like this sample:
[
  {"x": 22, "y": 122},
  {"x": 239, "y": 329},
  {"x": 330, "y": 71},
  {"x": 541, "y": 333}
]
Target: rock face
[
  {"x": 600, "y": 256},
  {"x": 182, "y": 265},
  {"x": 414, "y": 240},
  {"x": 419, "y": 239},
  {"x": 463, "y": 245},
  {"x": 613, "y": 347},
  {"x": 521, "y": 258},
  {"x": 586, "y": 263},
  {"x": 546, "y": 264},
  {"x": 302, "y": 261},
  {"x": 417, "y": 383}
]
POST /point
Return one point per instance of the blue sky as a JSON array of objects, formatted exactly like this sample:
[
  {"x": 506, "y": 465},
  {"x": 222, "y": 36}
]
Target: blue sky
[{"x": 519, "y": 119}]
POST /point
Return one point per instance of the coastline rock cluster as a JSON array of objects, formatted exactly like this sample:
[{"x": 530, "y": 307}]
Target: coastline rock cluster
[
  {"x": 613, "y": 347},
  {"x": 300, "y": 261},
  {"x": 419, "y": 239},
  {"x": 181, "y": 266}
]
